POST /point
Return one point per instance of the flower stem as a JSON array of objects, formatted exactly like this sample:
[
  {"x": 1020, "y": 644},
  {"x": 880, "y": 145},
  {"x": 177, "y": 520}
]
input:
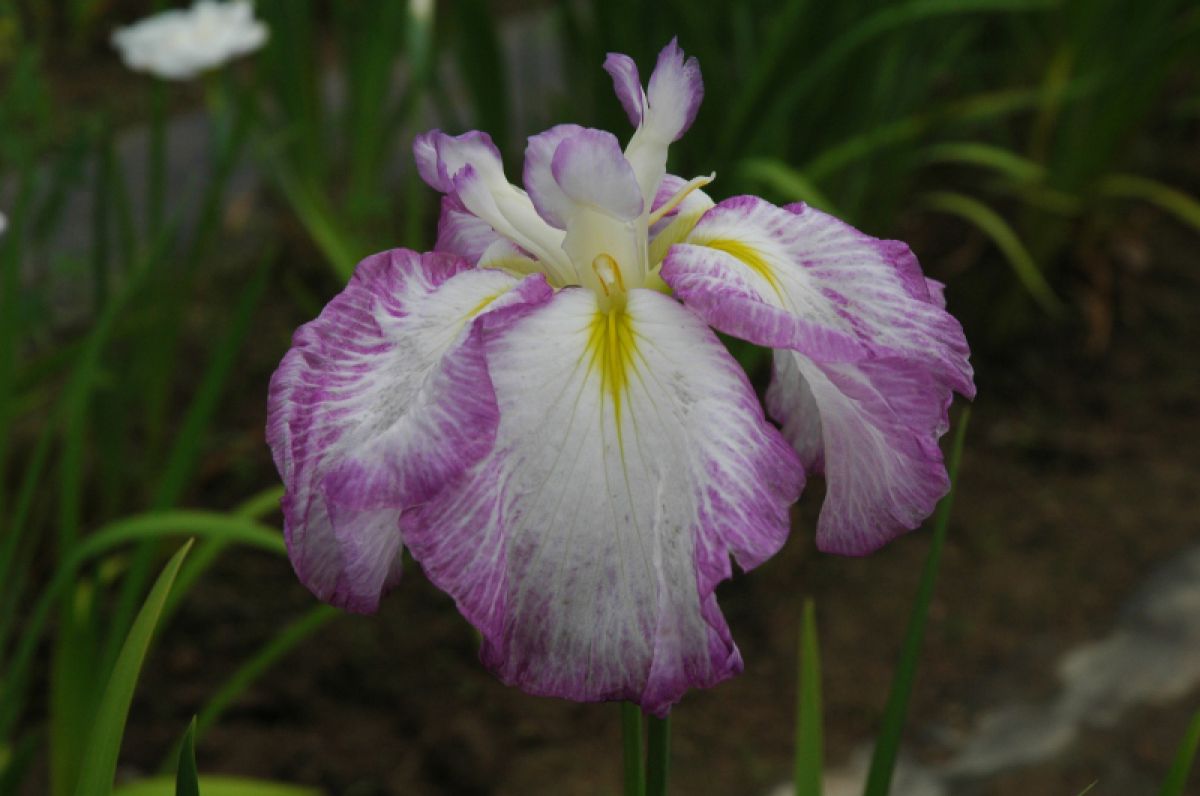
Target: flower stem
[
  {"x": 658, "y": 755},
  {"x": 631, "y": 747}
]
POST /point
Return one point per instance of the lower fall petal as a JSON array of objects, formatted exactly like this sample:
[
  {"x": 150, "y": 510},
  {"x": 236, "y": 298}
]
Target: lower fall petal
[
  {"x": 381, "y": 400},
  {"x": 631, "y": 459},
  {"x": 866, "y": 363}
]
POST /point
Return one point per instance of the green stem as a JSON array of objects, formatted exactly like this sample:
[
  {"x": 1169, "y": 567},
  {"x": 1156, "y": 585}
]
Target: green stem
[
  {"x": 887, "y": 747},
  {"x": 658, "y": 755},
  {"x": 631, "y": 746}
]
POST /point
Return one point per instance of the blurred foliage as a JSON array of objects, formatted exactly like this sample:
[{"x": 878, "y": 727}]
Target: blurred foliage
[{"x": 1035, "y": 123}]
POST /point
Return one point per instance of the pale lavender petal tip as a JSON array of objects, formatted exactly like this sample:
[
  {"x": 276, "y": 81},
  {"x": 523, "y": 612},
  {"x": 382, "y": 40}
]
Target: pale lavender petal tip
[
  {"x": 590, "y": 168},
  {"x": 674, "y": 92},
  {"x": 441, "y": 157},
  {"x": 547, "y": 197},
  {"x": 628, "y": 85}
]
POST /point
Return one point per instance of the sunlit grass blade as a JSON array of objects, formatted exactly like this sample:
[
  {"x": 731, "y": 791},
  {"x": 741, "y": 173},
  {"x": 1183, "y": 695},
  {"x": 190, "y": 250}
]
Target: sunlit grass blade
[
  {"x": 995, "y": 227},
  {"x": 789, "y": 183},
  {"x": 810, "y": 748},
  {"x": 216, "y": 786},
  {"x": 887, "y": 745},
  {"x": 185, "y": 772},
  {"x": 1177, "y": 778},
  {"x": 104, "y": 745},
  {"x": 1174, "y": 201},
  {"x": 634, "y": 775}
]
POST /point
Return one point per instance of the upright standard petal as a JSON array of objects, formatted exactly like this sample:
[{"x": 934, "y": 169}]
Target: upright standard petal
[
  {"x": 586, "y": 546},
  {"x": 863, "y": 343},
  {"x": 670, "y": 104},
  {"x": 380, "y": 401},
  {"x": 551, "y": 203},
  {"x": 627, "y": 83},
  {"x": 468, "y": 167}
]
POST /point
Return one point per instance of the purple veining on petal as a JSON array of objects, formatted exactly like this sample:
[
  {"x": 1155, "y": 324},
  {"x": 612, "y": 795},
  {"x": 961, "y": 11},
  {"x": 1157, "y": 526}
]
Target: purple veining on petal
[
  {"x": 709, "y": 282},
  {"x": 588, "y": 595},
  {"x": 381, "y": 400},
  {"x": 675, "y": 92},
  {"x": 628, "y": 85},
  {"x": 591, "y": 169}
]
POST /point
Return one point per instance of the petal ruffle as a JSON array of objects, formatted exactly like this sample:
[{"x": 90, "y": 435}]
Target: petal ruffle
[
  {"x": 463, "y": 233},
  {"x": 586, "y": 546},
  {"x": 538, "y": 175},
  {"x": 862, "y": 339},
  {"x": 381, "y": 400},
  {"x": 468, "y": 167}
]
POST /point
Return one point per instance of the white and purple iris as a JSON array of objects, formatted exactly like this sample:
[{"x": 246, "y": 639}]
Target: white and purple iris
[{"x": 539, "y": 410}]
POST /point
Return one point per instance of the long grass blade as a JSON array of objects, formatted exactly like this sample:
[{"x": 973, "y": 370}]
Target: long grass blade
[
  {"x": 887, "y": 746},
  {"x": 789, "y": 183},
  {"x": 266, "y": 657},
  {"x": 186, "y": 775},
  {"x": 1005, "y": 162},
  {"x": 104, "y": 746},
  {"x": 193, "y": 431},
  {"x": 995, "y": 227},
  {"x": 1130, "y": 186},
  {"x": 153, "y": 525},
  {"x": 74, "y": 689},
  {"x": 1177, "y": 778}
]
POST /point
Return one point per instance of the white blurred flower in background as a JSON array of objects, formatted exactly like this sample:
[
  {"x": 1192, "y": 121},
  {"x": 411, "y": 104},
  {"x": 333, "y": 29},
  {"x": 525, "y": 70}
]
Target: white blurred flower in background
[{"x": 180, "y": 44}]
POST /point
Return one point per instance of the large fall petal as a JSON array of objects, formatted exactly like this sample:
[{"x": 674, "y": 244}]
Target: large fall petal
[
  {"x": 631, "y": 459},
  {"x": 866, "y": 356},
  {"x": 381, "y": 400}
]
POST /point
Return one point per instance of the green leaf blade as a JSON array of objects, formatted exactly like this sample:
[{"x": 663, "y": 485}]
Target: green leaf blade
[
  {"x": 104, "y": 746},
  {"x": 1177, "y": 778},
  {"x": 887, "y": 746},
  {"x": 186, "y": 776}
]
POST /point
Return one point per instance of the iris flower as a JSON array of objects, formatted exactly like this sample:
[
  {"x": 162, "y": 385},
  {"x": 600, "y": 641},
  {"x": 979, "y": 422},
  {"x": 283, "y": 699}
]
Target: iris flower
[
  {"x": 541, "y": 412},
  {"x": 179, "y": 44}
]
